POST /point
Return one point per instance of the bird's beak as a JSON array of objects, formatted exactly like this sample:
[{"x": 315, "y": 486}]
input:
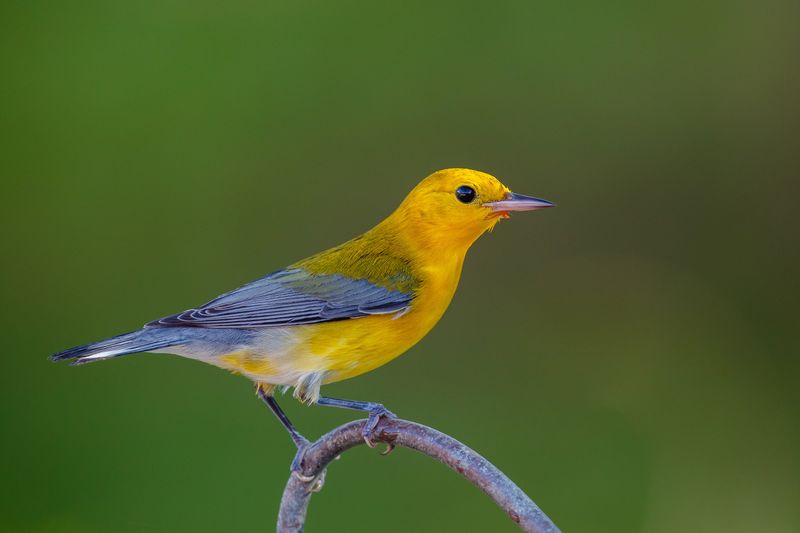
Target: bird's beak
[{"x": 517, "y": 202}]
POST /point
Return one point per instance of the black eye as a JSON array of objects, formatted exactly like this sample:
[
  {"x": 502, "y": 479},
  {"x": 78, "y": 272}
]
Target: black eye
[{"x": 465, "y": 194}]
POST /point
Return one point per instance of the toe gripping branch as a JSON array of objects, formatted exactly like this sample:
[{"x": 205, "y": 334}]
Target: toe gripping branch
[
  {"x": 311, "y": 460},
  {"x": 309, "y": 471}
]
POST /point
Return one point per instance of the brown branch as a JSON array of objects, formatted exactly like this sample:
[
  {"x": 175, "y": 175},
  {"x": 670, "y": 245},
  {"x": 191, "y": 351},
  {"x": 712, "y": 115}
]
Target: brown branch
[{"x": 396, "y": 432}]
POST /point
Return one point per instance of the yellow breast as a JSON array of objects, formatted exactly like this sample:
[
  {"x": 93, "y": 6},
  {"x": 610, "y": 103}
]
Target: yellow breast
[{"x": 349, "y": 348}]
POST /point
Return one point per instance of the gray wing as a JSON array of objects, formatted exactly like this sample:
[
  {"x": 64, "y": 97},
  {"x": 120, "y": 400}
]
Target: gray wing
[{"x": 290, "y": 297}]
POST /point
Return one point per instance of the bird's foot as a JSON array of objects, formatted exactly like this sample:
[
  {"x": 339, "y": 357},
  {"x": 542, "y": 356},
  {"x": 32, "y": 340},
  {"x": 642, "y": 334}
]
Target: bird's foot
[
  {"x": 376, "y": 412},
  {"x": 297, "y": 463},
  {"x": 297, "y": 470}
]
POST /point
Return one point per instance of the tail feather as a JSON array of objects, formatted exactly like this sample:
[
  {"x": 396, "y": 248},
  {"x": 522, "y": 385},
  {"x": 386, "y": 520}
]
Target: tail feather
[{"x": 138, "y": 341}]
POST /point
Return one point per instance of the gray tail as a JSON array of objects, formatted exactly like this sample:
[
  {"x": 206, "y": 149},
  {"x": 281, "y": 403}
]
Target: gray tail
[{"x": 144, "y": 340}]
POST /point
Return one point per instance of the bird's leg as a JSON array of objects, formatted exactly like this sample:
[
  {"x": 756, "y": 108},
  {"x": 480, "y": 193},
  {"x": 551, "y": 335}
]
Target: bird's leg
[
  {"x": 300, "y": 441},
  {"x": 375, "y": 410}
]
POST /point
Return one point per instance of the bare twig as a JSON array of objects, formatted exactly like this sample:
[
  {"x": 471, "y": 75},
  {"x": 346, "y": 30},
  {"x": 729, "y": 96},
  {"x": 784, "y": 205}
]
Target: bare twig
[{"x": 396, "y": 432}]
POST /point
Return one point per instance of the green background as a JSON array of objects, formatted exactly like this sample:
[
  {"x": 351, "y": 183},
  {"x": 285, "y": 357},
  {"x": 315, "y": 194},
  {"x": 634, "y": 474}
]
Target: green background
[{"x": 629, "y": 358}]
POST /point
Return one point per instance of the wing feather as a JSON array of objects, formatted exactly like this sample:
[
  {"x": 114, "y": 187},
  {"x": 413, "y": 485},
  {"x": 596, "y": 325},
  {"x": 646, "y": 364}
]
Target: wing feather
[{"x": 291, "y": 297}]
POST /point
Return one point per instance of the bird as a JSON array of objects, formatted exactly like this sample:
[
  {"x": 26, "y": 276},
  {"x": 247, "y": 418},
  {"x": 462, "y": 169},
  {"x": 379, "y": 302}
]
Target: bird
[{"x": 342, "y": 312}]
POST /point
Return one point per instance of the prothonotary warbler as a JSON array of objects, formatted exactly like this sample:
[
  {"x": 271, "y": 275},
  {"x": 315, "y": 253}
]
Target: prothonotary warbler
[{"x": 341, "y": 312}]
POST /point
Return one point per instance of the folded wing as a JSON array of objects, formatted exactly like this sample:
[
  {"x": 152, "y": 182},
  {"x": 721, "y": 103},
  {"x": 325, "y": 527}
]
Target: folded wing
[{"x": 290, "y": 297}]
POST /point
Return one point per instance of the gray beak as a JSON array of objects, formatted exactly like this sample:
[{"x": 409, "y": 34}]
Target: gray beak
[{"x": 518, "y": 202}]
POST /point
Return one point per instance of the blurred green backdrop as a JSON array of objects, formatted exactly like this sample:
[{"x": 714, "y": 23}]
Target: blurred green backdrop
[{"x": 630, "y": 358}]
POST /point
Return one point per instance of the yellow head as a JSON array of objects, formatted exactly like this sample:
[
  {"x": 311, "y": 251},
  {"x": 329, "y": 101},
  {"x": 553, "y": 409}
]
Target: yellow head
[{"x": 451, "y": 208}]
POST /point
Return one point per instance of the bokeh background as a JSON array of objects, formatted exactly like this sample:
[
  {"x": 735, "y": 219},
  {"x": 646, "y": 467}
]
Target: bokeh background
[{"x": 630, "y": 358}]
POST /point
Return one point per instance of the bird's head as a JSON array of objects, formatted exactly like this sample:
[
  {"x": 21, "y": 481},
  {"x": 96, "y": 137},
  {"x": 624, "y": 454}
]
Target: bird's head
[{"x": 455, "y": 206}]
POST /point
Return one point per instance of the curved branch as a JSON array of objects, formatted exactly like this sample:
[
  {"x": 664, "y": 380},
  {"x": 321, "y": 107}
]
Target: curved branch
[{"x": 395, "y": 432}]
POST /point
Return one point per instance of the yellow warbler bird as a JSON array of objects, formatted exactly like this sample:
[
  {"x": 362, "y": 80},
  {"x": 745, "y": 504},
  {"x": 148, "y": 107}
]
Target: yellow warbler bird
[{"x": 344, "y": 311}]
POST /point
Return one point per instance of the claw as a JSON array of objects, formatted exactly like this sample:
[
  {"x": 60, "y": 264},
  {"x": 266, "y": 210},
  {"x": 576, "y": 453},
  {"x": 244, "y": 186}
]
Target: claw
[
  {"x": 316, "y": 481},
  {"x": 373, "y": 420},
  {"x": 304, "y": 479},
  {"x": 297, "y": 462},
  {"x": 389, "y": 448}
]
